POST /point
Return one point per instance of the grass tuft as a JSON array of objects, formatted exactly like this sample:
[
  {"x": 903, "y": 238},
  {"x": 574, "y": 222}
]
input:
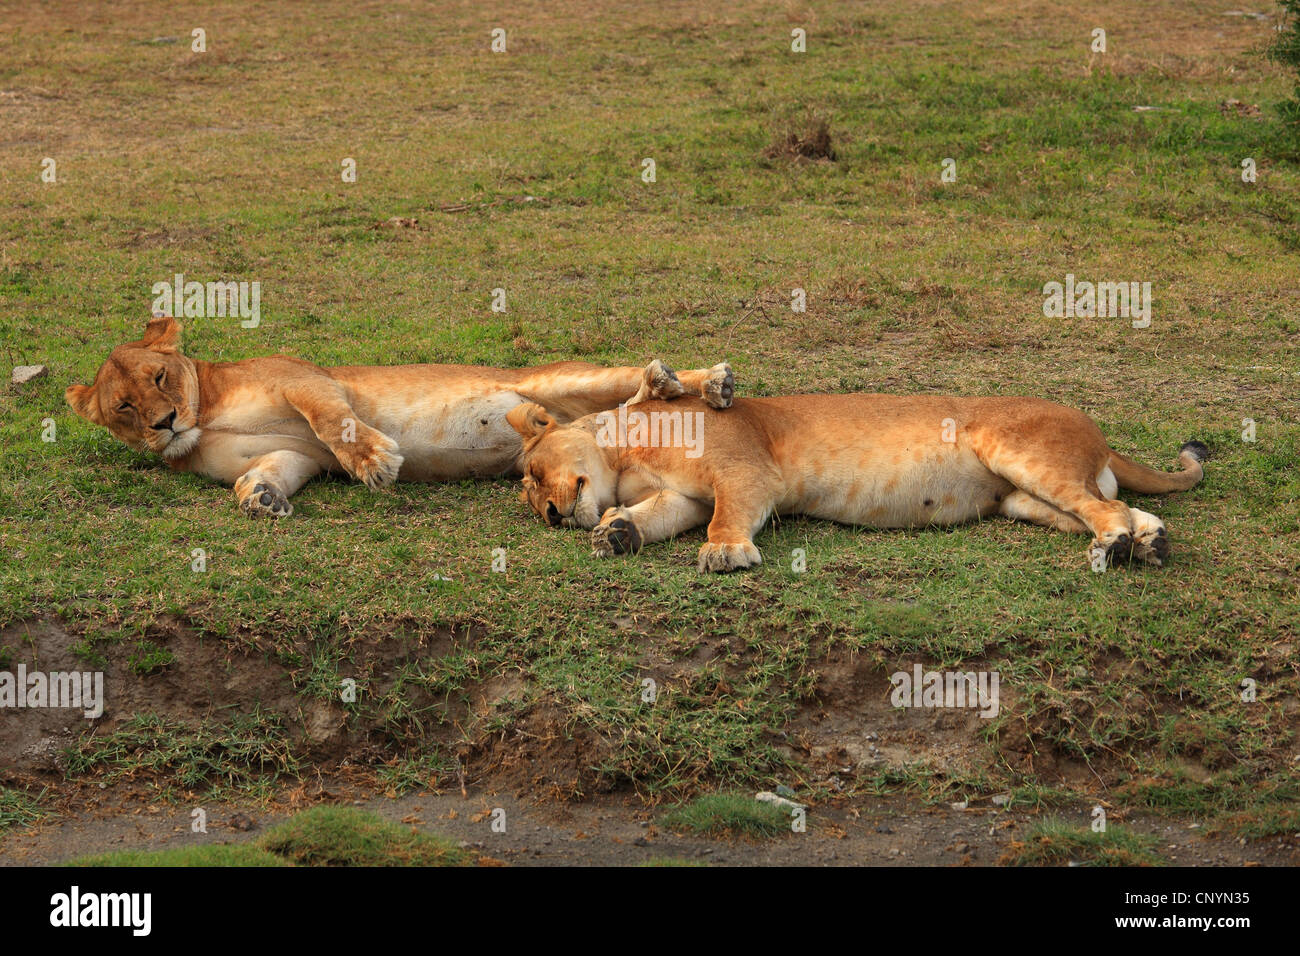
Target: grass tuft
[
  {"x": 1055, "y": 843},
  {"x": 730, "y": 815}
]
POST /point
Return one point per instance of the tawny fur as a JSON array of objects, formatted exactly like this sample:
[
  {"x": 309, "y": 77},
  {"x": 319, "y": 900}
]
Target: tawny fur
[
  {"x": 268, "y": 425},
  {"x": 880, "y": 461}
]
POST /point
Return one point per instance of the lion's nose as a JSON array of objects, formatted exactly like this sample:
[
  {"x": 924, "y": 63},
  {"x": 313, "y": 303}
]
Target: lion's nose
[
  {"x": 552, "y": 514},
  {"x": 165, "y": 422}
]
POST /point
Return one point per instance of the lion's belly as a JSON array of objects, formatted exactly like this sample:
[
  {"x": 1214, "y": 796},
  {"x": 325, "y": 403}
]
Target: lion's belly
[
  {"x": 445, "y": 437},
  {"x": 895, "y": 488}
]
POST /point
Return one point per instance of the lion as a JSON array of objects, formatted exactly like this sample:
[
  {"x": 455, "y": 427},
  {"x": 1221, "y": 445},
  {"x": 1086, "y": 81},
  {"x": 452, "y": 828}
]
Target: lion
[
  {"x": 268, "y": 425},
  {"x": 879, "y": 461}
]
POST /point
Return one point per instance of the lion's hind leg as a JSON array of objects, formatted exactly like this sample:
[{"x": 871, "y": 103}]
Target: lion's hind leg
[
  {"x": 1082, "y": 489},
  {"x": 657, "y": 382},
  {"x": 1150, "y": 539},
  {"x": 1022, "y": 506},
  {"x": 571, "y": 390},
  {"x": 717, "y": 385}
]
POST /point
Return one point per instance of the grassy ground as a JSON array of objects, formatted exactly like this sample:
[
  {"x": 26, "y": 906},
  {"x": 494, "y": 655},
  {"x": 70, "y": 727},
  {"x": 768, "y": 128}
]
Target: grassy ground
[
  {"x": 226, "y": 165},
  {"x": 1056, "y": 843},
  {"x": 322, "y": 836}
]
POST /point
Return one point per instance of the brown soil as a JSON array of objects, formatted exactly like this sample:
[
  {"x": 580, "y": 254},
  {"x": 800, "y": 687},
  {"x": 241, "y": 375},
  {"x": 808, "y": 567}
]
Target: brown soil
[{"x": 540, "y": 772}]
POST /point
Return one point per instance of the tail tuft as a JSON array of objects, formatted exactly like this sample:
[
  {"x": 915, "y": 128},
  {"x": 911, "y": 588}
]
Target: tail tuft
[{"x": 1196, "y": 449}]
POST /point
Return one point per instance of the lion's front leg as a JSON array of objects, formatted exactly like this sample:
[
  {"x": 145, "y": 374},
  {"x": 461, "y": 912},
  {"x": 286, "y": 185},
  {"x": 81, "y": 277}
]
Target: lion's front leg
[
  {"x": 365, "y": 453},
  {"x": 741, "y": 509},
  {"x": 662, "y": 515},
  {"x": 264, "y": 489}
]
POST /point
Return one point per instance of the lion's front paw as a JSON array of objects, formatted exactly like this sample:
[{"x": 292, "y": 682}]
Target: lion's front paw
[
  {"x": 265, "y": 501},
  {"x": 616, "y": 534},
  {"x": 720, "y": 386},
  {"x": 377, "y": 466},
  {"x": 728, "y": 557}
]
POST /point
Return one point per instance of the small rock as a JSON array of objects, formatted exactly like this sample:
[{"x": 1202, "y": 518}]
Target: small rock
[
  {"x": 767, "y": 796},
  {"x": 23, "y": 374},
  {"x": 1002, "y": 800},
  {"x": 883, "y": 829},
  {"x": 959, "y": 805},
  {"x": 640, "y": 841},
  {"x": 784, "y": 791}
]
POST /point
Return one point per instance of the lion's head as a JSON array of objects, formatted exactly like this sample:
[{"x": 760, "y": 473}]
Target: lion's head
[
  {"x": 146, "y": 394},
  {"x": 567, "y": 478}
]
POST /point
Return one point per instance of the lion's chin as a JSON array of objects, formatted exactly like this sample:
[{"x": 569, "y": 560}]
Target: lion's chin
[{"x": 182, "y": 443}]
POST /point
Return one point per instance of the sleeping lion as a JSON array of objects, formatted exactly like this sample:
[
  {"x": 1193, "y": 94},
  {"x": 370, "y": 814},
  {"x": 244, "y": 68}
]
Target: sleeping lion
[
  {"x": 880, "y": 461},
  {"x": 268, "y": 425}
]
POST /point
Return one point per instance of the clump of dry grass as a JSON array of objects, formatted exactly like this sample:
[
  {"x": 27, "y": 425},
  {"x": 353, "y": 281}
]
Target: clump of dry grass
[{"x": 810, "y": 141}]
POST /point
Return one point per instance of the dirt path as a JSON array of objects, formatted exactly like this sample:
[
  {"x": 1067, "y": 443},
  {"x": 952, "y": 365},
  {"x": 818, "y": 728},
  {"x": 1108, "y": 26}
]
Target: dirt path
[{"x": 621, "y": 832}]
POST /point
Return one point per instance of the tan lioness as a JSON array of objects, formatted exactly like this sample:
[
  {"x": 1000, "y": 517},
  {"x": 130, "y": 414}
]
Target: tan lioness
[
  {"x": 881, "y": 461},
  {"x": 268, "y": 425}
]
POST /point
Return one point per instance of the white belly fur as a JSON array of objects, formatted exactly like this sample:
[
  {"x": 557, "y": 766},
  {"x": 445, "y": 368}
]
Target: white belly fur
[{"x": 948, "y": 485}]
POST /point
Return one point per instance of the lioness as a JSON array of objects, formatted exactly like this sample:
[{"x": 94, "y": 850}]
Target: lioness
[
  {"x": 268, "y": 425},
  {"x": 882, "y": 461}
]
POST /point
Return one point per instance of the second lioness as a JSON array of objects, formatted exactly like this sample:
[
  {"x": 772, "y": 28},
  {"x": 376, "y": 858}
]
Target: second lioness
[
  {"x": 268, "y": 425},
  {"x": 882, "y": 461}
]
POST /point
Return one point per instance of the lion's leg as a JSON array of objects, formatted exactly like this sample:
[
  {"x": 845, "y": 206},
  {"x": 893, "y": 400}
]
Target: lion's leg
[
  {"x": 574, "y": 389},
  {"x": 1072, "y": 486},
  {"x": 366, "y": 453},
  {"x": 658, "y": 381},
  {"x": 265, "y": 487},
  {"x": 740, "y": 510},
  {"x": 662, "y": 515},
  {"x": 1150, "y": 539},
  {"x": 717, "y": 385},
  {"x": 1022, "y": 506}
]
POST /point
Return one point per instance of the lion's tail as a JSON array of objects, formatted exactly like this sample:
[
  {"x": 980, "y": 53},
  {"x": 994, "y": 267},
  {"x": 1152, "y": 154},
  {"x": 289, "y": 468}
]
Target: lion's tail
[{"x": 1148, "y": 481}]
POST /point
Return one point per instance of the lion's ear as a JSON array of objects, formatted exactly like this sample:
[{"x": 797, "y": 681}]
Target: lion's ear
[
  {"x": 85, "y": 402},
  {"x": 530, "y": 420},
  {"x": 162, "y": 334}
]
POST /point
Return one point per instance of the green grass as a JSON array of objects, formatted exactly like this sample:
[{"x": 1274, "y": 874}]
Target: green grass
[
  {"x": 1054, "y": 843},
  {"x": 18, "y": 808},
  {"x": 225, "y": 165},
  {"x": 322, "y": 836},
  {"x": 727, "y": 814},
  {"x": 342, "y": 836},
  {"x": 240, "y": 757},
  {"x": 239, "y": 854}
]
